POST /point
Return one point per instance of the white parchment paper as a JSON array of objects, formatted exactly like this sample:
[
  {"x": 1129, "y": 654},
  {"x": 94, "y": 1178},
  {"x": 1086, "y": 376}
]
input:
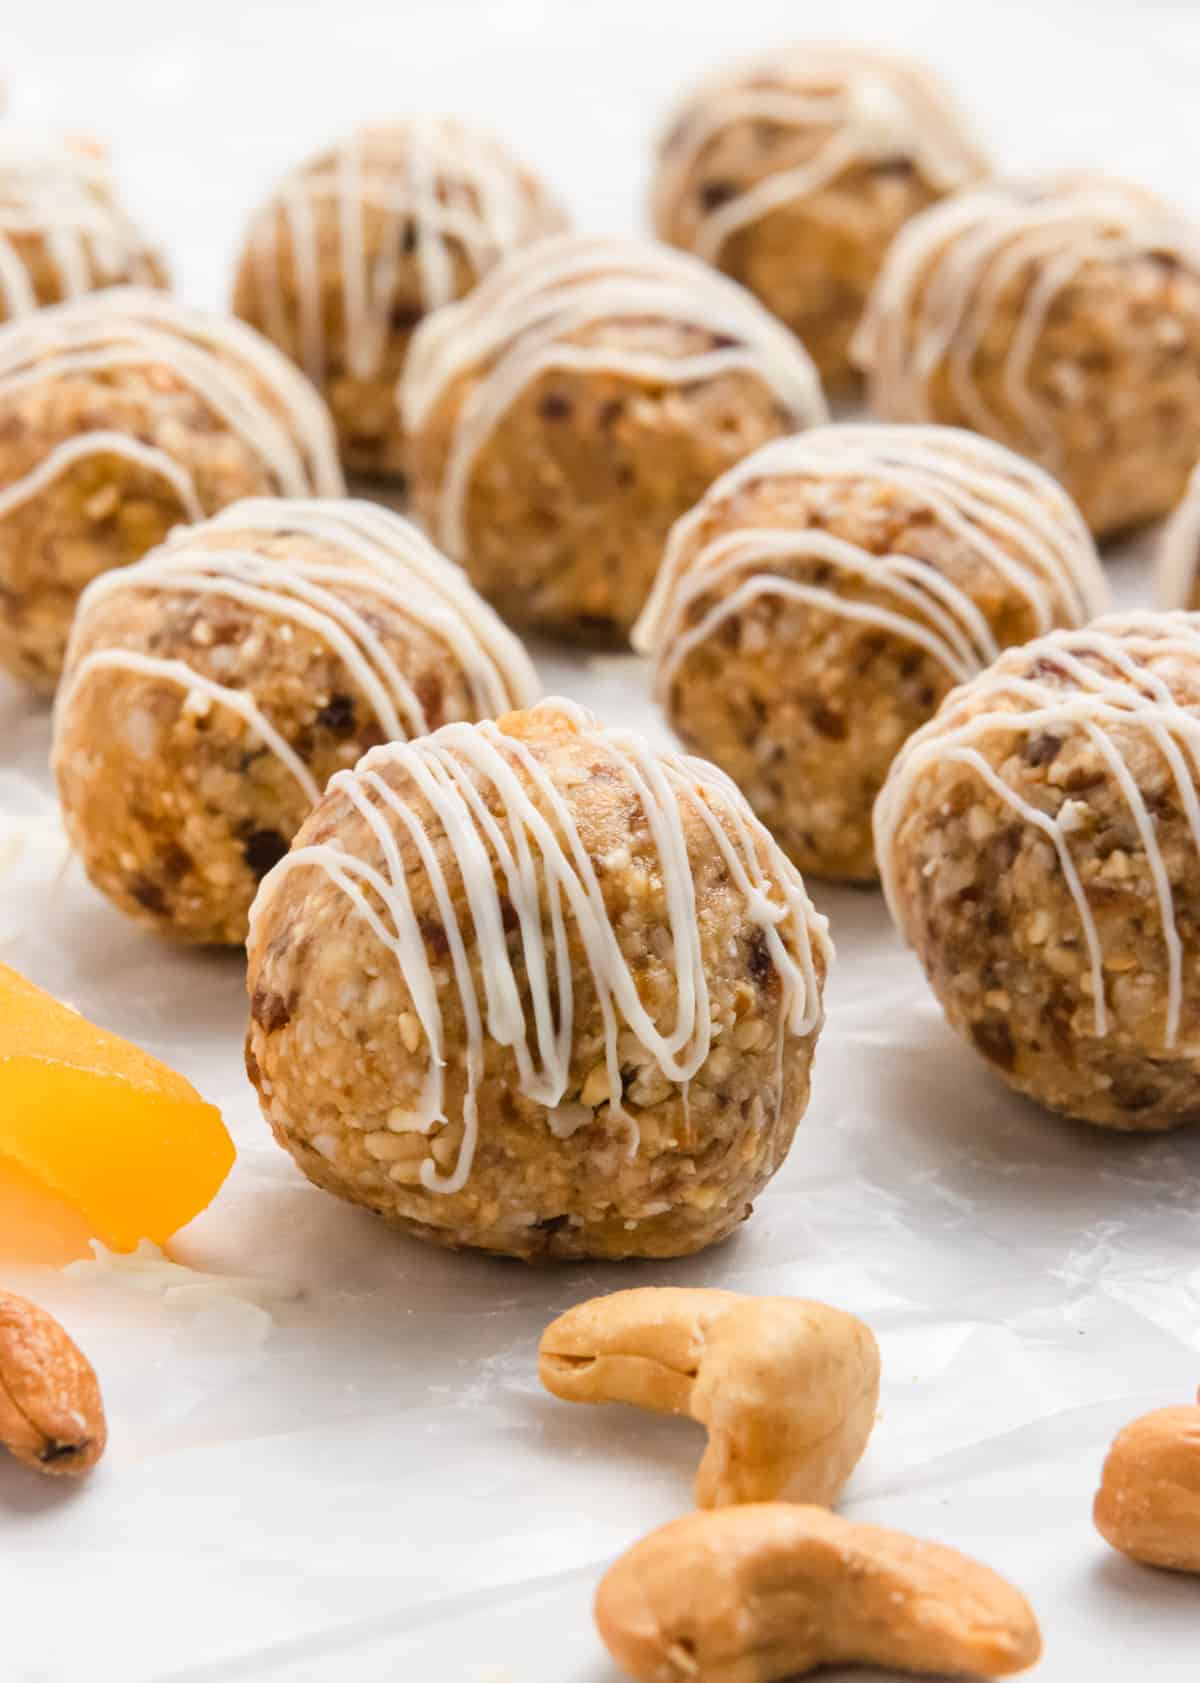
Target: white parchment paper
[{"x": 365, "y": 1483}]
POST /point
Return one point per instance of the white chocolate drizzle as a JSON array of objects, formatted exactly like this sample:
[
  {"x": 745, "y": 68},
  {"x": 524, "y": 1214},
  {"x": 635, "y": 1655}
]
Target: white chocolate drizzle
[
  {"x": 1110, "y": 692},
  {"x": 61, "y": 195},
  {"x": 521, "y": 321},
  {"x": 1179, "y": 550},
  {"x": 438, "y": 188},
  {"x": 388, "y": 559},
  {"x": 249, "y": 386},
  {"x": 874, "y": 107},
  {"x": 533, "y": 856},
  {"x": 1014, "y": 519},
  {"x": 948, "y": 268}
]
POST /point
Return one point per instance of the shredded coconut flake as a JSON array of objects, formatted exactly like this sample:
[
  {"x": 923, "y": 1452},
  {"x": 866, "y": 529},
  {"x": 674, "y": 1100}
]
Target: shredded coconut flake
[{"x": 148, "y": 1269}]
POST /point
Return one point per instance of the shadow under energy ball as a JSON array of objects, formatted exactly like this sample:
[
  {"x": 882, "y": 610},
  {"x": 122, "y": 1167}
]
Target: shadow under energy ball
[
  {"x": 1039, "y": 842},
  {"x": 356, "y": 246},
  {"x": 212, "y": 689},
  {"x": 534, "y": 988},
  {"x": 793, "y": 173}
]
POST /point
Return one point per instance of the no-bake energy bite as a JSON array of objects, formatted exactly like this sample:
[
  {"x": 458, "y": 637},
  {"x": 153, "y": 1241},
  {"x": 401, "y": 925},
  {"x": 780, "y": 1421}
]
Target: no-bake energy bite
[
  {"x": 1061, "y": 317},
  {"x": 579, "y": 400},
  {"x": 358, "y": 244},
  {"x": 531, "y": 987},
  {"x": 793, "y": 174},
  {"x": 825, "y": 595},
  {"x": 120, "y": 414},
  {"x": 213, "y": 688},
  {"x": 63, "y": 231},
  {"x": 1038, "y": 841}
]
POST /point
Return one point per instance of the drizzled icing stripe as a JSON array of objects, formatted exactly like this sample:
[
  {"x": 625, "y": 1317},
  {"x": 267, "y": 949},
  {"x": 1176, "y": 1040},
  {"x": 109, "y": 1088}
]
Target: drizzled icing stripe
[
  {"x": 439, "y": 188},
  {"x": 983, "y": 494},
  {"x": 875, "y": 107},
  {"x": 948, "y": 268},
  {"x": 63, "y": 196},
  {"x": 249, "y": 385},
  {"x": 534, "y": 856},
  {"x": 1128, "y": 696},
  {"x": 518, "y": 325},
  {"x": 1179, "y": 550},
  {"x": 390, "y": 560}
]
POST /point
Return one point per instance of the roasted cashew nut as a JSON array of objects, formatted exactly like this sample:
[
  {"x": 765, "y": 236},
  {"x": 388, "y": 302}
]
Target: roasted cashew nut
[
  {"x": 1148, "y": 1503},
  {"x": 787, "y": 1388},
  {"x": 762, "y": 1592}
]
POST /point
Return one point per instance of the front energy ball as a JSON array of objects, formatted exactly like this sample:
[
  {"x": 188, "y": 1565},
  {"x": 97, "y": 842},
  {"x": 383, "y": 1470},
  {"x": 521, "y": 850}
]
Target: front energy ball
[
  {"x": 358, "y": 244},
  {"x": 534, "y": 988},
  {"x": 794, "y": 173},
  {"x": 121, "y": 414},
  {"x": 815, "y": 607},
  {"x": 579, "y": 400},
  {"x": 1039, "y": 845},
  {"x": 1061, "y": 317},
  {"x": 213, "y": 688}
]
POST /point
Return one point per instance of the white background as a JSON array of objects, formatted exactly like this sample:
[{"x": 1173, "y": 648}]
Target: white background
[{"x": 371, "y": 1487}]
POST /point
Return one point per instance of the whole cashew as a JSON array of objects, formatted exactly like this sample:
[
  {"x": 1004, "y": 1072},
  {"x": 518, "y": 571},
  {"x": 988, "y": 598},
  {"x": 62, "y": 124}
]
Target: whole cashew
[
  {"x": 1148, "y": 1503},
  {"x": 787, "y": 1388},
  {"x": 758, "y": 1593}
]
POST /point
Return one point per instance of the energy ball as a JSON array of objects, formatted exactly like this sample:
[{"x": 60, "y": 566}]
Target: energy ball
[
  {"x": 1038, "y": 841},
  {"x": 794, "y": 173},
  {"x": 63, "y": 231},
  {"x": 213, "y": 688},
  {"x": 580, "y": 399},
  {"x": 531, "y": 987},
  {"x": 120, "y": 414},
  {"x": 1177, "y": 581},
  {"x": 1061, "y": 317},
  {"x": 358, "y": 244},
  {"x": 827, "y": 593}
]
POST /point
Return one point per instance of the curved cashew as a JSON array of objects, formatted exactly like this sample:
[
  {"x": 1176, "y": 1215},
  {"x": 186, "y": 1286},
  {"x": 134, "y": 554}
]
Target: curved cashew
[
  {"x": 1148, "y": 1503},
  {"x": 758, "y": 1593},
  {"x": 787, "y": 1388}
]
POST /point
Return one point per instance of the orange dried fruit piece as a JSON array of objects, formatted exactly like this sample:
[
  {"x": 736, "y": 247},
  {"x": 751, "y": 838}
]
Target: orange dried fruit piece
[{"x": 102, "y": 1126}]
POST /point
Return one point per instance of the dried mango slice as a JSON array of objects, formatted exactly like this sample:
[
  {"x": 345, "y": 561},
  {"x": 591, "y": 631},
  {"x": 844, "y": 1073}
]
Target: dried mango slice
[{"x": 100, "y": 1125}]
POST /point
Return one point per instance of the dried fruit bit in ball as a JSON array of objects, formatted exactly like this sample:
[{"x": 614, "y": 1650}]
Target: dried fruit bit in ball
[
  {"x": 1061, "y": 317},
  {"x": 1038, "y": 843},
  {"x": 63, "y": 231},
  {"x": 579, "y": 400},
  {"x": 816, "y": 606},
  {"x": 212, "y": 689},
  {"x": 120, "y": 414},
  {"x": 532, "y": 987},
  {"x": 794, "y": 173},
  {"x": 1177, "y": 581},
  {"x": 358, "y": 244}
]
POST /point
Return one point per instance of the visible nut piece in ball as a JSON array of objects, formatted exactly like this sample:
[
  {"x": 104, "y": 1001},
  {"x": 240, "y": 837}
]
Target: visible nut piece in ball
[
  {"x": 1061, "y": 317},
  {"x": 532, "y": 987},
  {"x": 121, "y": 414},
  {"x": 1039, "y": 844},
  {"x": 358, "y": 244},
  {"x": 574, "y": 405},
  {"x": 794, "y": 173},
  {"x": 826, "y": 594},
  {"x": 212, "y": 689},
  {"x": 63, "y": 230}
]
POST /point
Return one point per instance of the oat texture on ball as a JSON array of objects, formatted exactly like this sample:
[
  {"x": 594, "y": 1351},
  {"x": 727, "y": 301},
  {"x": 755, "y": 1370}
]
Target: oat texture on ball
[
  {"x": 213, "y": 688},
  {"x": 1059, "y": 316},
  {"x": 121, "y": 414},
  {"x": 577, "y": 402},
  {"x": 531, "y": 987},
  {"x": 794, "y": 172},
  {"x": 356, "y": 246},
  {"x": 1039, "y": 842},
  {"x": 63, "y": 230},
  {"x": 826, "y": 594}
]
